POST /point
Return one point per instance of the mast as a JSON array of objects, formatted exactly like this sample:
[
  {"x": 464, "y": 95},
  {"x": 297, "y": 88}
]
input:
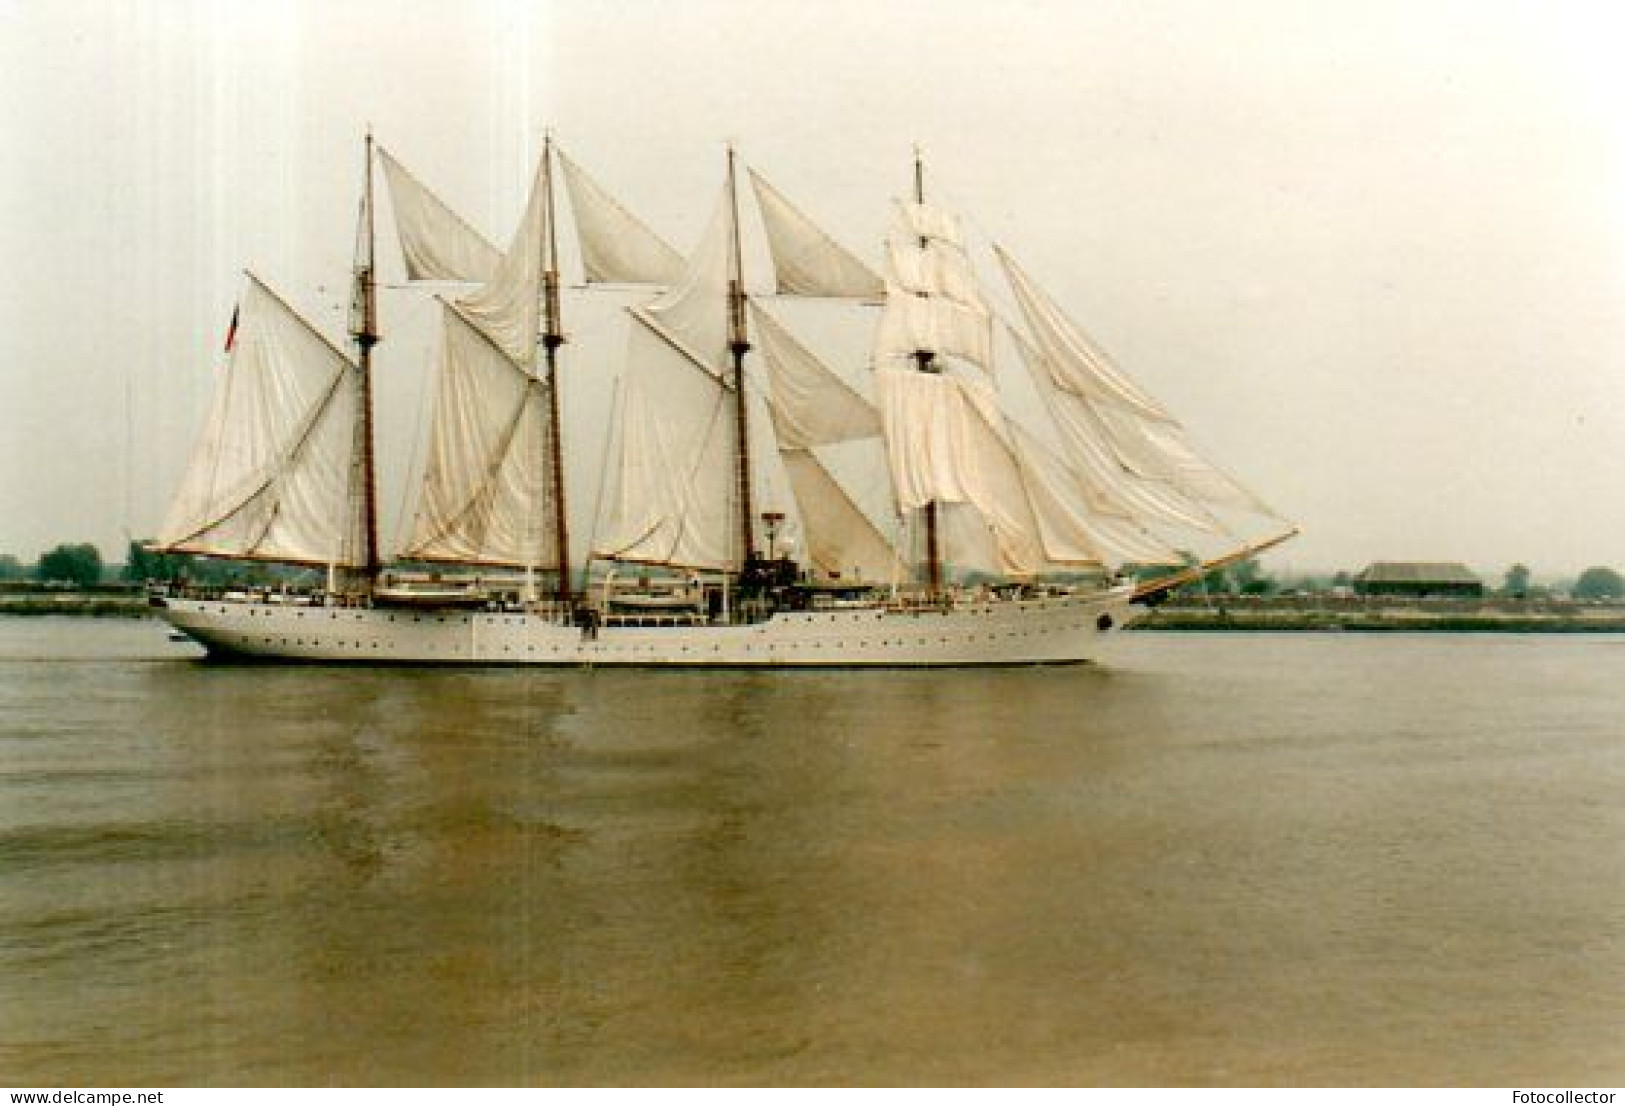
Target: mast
[
  {"x": 924, "y": 359},
  {"x": 739, "y": 345},
  {"x": 552, "y": 339},
  {"x": 365, "y": 332}
]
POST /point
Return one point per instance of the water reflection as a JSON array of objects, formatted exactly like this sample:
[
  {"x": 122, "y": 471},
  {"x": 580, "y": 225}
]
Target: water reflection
[{"x": 1227, "y": 862}]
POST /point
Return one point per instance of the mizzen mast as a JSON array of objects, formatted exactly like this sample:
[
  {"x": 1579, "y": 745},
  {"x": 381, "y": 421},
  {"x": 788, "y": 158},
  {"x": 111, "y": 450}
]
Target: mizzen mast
[{"x": 738, "y": 346}]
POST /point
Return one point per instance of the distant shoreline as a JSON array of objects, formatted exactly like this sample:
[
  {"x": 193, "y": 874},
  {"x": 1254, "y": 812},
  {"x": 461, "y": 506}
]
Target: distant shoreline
[
  {"x": 97, "y": 604},
  {"x": 1312, "y": 614},
  {"x": 1227, "y": 614}
]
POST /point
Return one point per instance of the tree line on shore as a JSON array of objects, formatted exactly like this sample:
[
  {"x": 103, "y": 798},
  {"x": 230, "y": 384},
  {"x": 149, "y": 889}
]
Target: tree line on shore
[
  {"x": 80, "y": 564},
  {"x": 1248, "y": 578}
]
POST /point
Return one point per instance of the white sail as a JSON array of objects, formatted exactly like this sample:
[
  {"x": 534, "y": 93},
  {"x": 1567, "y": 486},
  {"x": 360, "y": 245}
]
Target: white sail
[
  {"x": 486, "y": 491},
  {"x": 809, "y": 403},
  {"x": 507, "y": 308},
  {"x": 436, "y": 242},
  {"x": 1158, "y": 450},
  {"x": 273, "y": 476},
  {"x": 284, "y": 468},
  {"x": 841, "y": 540},
  {"x": 1076, "y": 363},
  {"x": 912, "y": 323},
  {"x": 669, "y": 494},
  {"x": 924, "y": 415},
  {"x": 946, "y": 445},
  {"x": 616, "y": 247},
  {"x": 934, "y": 269},
  {"x": 1071, "y": 532},
  {"x": 694, "y": 310},
  {"x": 998, "y": 488},
  {"x": 806, "y": 260},
  {"x": 1145, "y": 439},
  {"x": 928, "y": 221},
  {"x": 1113, "y": 487},
  {"x": 933, "y": 304}
]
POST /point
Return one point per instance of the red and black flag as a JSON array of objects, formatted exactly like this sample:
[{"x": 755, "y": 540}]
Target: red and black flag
[{"x": 231, "y": 331}]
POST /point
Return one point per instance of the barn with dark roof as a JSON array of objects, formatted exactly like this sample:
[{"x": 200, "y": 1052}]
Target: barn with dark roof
[{"x": 1419, "y": 580}]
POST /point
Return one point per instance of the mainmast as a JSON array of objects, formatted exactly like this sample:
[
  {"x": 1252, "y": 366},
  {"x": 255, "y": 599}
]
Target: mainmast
[
  {"x": 925, "y": 359},
  {"x": 739, "y": 345},
  {"x": 552, "y": 339},
  {"x": 364, "y": 328}
]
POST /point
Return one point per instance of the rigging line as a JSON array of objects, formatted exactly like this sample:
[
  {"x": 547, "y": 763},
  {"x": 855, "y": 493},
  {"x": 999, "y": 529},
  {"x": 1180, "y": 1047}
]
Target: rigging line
[{"x": 270, "y": 521}]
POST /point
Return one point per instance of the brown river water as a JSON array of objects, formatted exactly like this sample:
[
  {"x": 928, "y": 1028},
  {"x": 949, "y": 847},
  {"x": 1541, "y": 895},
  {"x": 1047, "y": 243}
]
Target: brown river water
[{"x": 1217, "y": 860}]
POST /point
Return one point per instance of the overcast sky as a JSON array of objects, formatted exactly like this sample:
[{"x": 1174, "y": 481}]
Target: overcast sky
[{"x": 1373, "y": 254}]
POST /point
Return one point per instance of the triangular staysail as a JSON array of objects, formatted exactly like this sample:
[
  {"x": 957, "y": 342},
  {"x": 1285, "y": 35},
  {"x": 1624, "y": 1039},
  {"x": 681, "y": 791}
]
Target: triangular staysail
[
  {"x": 616, "y": 246},
  {"x": 1072, "y": 531},
  {"x": 436, "y": 242},
  {"x": 1112, "y": 487},
  {"x": 841, "y": 540},
  {"x": 507, "y": 307},
  {"x": 1118, "y": 430},
  {"x": 806, "y": 260},
  {"x": 1077, "y": 363},
  {"x": 810, "y": 405},
  {"x": 693, "y": 310}
]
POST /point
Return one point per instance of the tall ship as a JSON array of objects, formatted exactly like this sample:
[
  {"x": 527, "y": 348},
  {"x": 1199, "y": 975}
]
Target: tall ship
[{"x": 834, "y": 463}]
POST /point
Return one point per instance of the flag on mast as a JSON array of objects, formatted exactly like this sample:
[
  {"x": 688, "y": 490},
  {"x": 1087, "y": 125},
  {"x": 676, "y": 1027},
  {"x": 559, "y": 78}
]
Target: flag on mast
[{"x": 231, "y": 331}]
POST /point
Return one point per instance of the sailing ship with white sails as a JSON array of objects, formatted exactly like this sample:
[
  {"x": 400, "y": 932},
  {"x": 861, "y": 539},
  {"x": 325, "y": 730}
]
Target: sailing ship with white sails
[{"x": 760, "y": 504}]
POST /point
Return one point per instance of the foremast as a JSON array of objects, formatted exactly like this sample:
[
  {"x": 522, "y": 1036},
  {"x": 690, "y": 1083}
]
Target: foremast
[{"x": 283, "y": 470}]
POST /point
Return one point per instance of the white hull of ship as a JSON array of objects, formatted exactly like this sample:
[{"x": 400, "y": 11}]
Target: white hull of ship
[{"x": 1057, "y": 629}]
